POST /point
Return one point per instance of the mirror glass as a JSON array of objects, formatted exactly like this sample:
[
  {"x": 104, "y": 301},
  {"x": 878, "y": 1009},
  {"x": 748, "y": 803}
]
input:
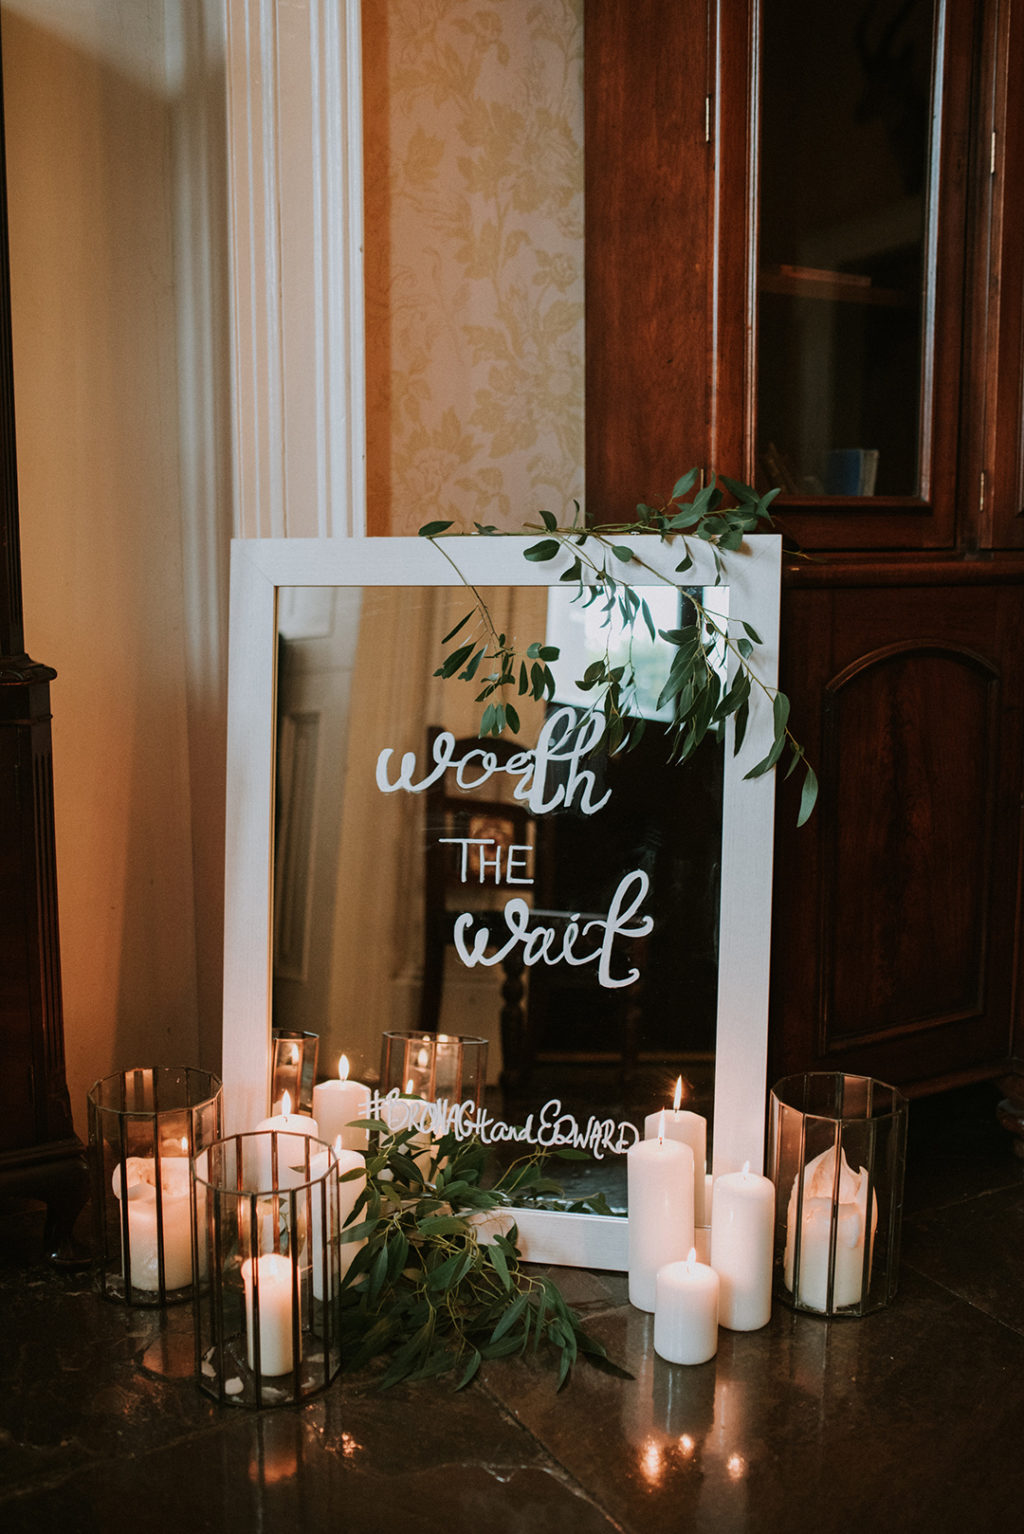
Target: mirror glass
[{"x": 558, "y": 902}]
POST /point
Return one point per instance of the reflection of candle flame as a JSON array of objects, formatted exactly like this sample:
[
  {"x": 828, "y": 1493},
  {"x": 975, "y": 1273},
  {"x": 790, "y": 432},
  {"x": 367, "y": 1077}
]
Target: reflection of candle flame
[
  {"x": 677, "y": 1099},
  {"x": 423, "y": 1059},
  {"x": 343, "y": 1068},
  {"x": 286, "y": 1103},
  {"x": 686, "y": 1445},
  {"x": 295, "y": 1055},
  {"x": 410, "y": 1086},
  {"x": 184, "y": 1145},
  {"x": 736, "y": 1466},
  {"x": 650, "y": 1462}
]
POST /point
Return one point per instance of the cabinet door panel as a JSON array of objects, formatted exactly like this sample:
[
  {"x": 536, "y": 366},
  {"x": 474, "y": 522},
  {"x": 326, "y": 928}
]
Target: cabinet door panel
[
  {"x": 897, "y": 907},
  {"x": 649, "y": 220},
  {"x": 909, "y": 748}
]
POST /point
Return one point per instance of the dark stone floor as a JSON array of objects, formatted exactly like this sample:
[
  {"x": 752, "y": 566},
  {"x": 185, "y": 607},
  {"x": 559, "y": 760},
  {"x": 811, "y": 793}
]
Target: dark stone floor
[{"x": 911, "y": 1419}]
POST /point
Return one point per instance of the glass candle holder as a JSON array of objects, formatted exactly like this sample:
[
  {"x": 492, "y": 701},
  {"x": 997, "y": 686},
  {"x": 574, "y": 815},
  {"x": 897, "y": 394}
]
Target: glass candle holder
[
  {"x": 437, "y": 1067},
  {"x": 293, "y": 1058},
  {"x": 268, "y": 1225},
  {"x": 145, "y": 1125},
  {"x": 837, "y": 1152}
]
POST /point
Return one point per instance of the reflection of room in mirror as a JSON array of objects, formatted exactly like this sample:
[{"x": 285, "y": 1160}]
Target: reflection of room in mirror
[{"x": 555, "y": 907}]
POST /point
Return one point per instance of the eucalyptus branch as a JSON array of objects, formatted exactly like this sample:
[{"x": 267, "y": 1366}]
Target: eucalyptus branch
[
  {"x": 437, "y": 1283},
  {"x": 700, "y": 705}
]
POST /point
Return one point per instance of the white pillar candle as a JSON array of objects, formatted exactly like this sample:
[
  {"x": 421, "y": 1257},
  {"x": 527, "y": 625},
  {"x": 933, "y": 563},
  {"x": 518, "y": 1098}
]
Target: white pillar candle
[
  {"x": 686, "y": 1312},
  {"x": 175, "y": 1221},
  {"x": 819, "y": 1182},
  {"x": 291, "y": 1171},
  {"x": 692, "y": 1130},
  {"x": 273, "y": 1283},
  {"x": 336, "y": 1103},
  {"x": 742, "y": 1246},
  {"x": 659, "y": 1176},
  {"x": 348, "y": 1193}
]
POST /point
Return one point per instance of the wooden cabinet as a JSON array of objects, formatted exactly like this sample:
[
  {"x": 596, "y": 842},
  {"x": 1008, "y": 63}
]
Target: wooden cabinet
[{"x": 745, "y": 294}]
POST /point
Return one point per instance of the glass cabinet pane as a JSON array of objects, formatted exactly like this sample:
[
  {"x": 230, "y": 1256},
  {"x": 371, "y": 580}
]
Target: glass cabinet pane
[{"x": 846, "y": 103}]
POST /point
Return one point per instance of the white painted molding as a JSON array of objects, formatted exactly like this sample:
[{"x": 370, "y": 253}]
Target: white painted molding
[{"x": 296, "y": 190}]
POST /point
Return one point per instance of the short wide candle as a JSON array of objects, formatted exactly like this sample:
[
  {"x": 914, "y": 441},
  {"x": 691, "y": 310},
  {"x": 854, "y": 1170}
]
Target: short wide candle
[
  {"x": 659, "y": 1176},
  {"x": 144, "y": 1227},
  {"x": 822, "y": 1203},
  {"x": 742, "y": 1245},
  {"x": 686, "y": 1312}
]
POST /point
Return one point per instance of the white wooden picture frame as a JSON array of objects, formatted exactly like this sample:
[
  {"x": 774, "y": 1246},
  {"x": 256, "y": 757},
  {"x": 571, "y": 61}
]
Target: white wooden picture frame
[{"x": 260, "y": 569}]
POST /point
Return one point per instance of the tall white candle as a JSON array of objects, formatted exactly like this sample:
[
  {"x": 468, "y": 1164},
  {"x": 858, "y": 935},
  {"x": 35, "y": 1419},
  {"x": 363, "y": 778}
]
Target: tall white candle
[
  {"x": 686, "y": 1312},
  {"x": 175, "y": 1221},
  {"x": 742, "y": 1245},
  {"x": 819, "y": 1180},
  {"x": 336, "y": 1103},
  {"x": 348, "y": 1192},
  {"x": 659, "y": 1176},
  {"x": 692, "y": 1130},
  {"x": 273, "y": 1283}
]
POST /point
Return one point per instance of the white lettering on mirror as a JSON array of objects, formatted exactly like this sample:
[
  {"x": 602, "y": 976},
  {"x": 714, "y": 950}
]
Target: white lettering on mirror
[
  {"x": 556, "y": 944},
  {"x": 550, "y": 1127},
  {"x": 530, "y": 767}
]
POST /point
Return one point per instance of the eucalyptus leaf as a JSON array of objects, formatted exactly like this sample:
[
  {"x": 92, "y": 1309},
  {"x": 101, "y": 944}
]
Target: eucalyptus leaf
[{"x": 692, "y": 689}]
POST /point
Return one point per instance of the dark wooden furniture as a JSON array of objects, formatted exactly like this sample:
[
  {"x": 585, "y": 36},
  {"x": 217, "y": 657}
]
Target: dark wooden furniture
[
  {"x": 897, "y": 914},
  {"x": 40, "y": 1155}
]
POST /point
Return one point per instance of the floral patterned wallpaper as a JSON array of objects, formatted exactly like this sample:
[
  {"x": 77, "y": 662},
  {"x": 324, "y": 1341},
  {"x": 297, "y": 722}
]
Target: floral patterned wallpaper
[{"x": 474, "y": 259}]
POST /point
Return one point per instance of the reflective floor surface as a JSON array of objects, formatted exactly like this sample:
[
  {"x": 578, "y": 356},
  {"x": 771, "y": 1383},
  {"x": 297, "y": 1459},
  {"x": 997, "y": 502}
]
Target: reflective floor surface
[{"x": 910, "y": 1419}]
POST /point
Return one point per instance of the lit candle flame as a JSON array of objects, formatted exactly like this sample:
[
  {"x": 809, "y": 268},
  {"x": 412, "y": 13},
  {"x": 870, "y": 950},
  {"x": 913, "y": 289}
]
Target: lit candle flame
[
  {"x": 343, "y": 1068},
  {"x": 338, "y": 1146},
  {"x": 677, "y": 1099},
  {"x": 423, "y": 1059},
  {"x": 746, "y": 1168},
  {"x": 691, "y": 1261},
  {"x": 286, "y": 1104},
  {"x": 184, "y": 1145},
  {"x": 410, "y": 1087}
]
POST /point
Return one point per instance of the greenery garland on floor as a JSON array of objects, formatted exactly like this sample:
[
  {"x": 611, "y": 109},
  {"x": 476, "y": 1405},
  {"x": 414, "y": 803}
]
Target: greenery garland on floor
[
  {"x": 600, "y": 561},
  {"x": 439, "y": 1285}
]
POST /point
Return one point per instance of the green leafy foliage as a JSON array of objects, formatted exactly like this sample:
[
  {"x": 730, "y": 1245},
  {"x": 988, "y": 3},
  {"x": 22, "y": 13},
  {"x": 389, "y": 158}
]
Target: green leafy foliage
[
  {"x": 439, "y": 1285},
  {"x": 599, "y": 568}
]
